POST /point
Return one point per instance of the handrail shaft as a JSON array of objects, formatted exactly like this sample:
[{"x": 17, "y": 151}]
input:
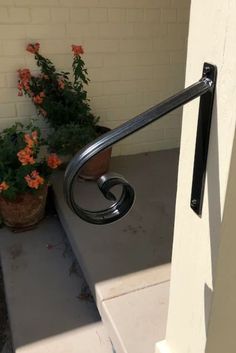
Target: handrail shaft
[
  {"x": 186, "y": 95},
  {"x": 136, "y": 123}
]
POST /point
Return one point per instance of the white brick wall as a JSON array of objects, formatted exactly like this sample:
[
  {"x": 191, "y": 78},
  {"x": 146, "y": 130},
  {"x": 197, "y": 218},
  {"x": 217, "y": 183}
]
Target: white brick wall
[{"x": 135, "y": 54}]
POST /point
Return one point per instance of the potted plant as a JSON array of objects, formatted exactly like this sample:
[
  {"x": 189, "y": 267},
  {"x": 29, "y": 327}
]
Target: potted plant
[
  {"x": 23, "y": 175},
  {"x": 69, "y": 139},
  {"x": 65, "y": 106}
]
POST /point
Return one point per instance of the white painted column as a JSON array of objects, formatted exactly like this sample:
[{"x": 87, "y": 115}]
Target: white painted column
[
  {"x": 222, "y": 322},
  {"x": 212, "y": 38}
]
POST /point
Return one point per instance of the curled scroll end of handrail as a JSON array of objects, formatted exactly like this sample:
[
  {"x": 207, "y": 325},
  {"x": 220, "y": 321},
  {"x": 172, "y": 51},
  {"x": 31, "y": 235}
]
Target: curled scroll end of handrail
[{"x": 118, "y": 208}]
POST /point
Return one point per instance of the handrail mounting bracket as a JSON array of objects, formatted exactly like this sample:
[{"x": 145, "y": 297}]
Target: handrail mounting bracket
[{"x": 202, "y": 140}]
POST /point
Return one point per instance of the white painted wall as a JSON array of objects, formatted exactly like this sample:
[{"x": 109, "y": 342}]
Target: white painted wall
[
  {"x": 222, "y": 323},
  {"x": 135, "y": 54},
  {"x": 212, "y": 37}
]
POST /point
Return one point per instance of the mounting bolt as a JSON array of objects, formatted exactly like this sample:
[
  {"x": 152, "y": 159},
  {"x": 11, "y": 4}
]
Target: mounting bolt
[
  {"x": 207, "y": 69},
  {"x": 194, "y": 203}
]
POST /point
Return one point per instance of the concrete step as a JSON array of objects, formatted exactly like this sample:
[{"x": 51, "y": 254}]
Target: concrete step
[
  {"x": 124, "y": 260},
  {"x": 137, "y": 320},
  {"x": 43, "y": 293}
]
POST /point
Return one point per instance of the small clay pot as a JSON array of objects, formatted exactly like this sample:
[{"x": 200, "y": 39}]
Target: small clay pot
[
  {"x": 99, "y": 164},
  {"x": 96, "y": 166},
  {"x": 25, "y": 211}
]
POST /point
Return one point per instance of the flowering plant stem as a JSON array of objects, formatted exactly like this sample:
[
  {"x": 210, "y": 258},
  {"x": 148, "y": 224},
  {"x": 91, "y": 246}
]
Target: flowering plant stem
[{"x": 56, "y": 98}]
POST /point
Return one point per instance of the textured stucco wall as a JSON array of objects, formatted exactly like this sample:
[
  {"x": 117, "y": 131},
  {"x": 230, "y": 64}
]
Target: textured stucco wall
[
  {"x": 135, "y": 54},
  {"x": 212, "y": 38}
]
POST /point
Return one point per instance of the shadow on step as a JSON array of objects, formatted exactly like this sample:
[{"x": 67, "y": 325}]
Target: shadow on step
[{"x": 43, "y": 289}]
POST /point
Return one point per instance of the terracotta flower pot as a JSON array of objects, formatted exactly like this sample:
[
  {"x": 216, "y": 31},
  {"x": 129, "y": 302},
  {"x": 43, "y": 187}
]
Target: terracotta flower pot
[
  {"x": 99, "y": 164},
  {"x": 96, "y": 166},
  {"x": 24, "y": 212}
]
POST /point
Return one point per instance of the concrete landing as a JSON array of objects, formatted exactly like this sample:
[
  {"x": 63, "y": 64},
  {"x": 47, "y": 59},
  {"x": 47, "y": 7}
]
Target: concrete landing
[
  {"x": 42, "y": 293},
  {"x": 137, "y": 320},
  {"x": 133, "y": 254}
]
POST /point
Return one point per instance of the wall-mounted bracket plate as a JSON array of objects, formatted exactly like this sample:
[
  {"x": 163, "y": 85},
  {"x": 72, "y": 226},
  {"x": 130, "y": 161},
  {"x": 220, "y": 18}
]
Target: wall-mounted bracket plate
[{"x": 202, "y": 140}]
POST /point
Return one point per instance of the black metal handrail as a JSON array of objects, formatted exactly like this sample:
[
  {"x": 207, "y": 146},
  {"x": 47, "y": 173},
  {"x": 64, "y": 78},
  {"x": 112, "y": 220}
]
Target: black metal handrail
[{"x": 121, "y": 206}]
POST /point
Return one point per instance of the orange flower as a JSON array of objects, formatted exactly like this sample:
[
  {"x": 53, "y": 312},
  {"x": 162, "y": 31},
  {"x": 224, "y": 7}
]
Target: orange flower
[
  {"x": 32, "y": 140},
  {"x": 39, "y": 98},
  {"x": 53, "y": 161},
  {"x": 3, "y": 186},
  {"x": 25, "y": 156},
  {"x": 34, "y": 180},
  {"x": 24, "y": 74},
  {"x": 33, "y": 48},
  {"x": 77, "y": 49},
  {"x": 61, "y": 84},
  {"x": 20, "y": 86},
  {"x": 28, "y": 140},
  {"x": 27, "y": 87}
]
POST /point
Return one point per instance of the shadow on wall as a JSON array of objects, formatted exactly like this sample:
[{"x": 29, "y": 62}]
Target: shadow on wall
[{"x": 214, "y": 202}]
